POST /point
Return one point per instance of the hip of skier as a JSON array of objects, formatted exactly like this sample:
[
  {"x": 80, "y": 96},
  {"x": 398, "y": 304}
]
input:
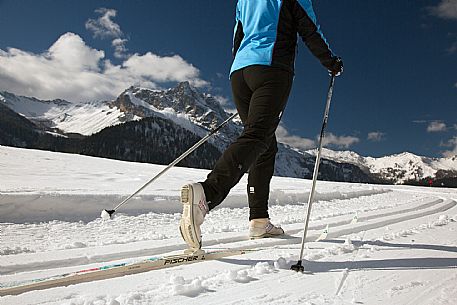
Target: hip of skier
[{"x": 264, "y": 48}]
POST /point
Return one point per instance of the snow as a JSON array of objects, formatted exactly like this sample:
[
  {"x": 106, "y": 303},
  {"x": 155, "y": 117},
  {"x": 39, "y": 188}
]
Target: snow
[
  {"x": 181, "y": 119},
  {"x": 402, "y": 249},
  {"x": 413, "y": 167},
  {"x": 84, "y": 118}
]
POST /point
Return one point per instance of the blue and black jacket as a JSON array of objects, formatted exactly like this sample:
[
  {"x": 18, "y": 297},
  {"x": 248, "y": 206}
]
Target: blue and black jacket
[{"x": 266, "y": 33}]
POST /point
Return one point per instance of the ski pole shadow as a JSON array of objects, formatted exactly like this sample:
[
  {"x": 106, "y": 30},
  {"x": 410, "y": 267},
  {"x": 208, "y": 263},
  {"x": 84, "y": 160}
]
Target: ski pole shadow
[
  {"x": 313, "y": 267},
  {"x": 419, "y": 263},
  {"x": 431, "y": 263},
  {"x": 379, "y": 243},
  {"x": 388, "y": 264}
]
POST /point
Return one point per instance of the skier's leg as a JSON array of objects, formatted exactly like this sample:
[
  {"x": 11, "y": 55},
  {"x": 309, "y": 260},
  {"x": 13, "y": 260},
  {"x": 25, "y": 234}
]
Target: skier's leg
[
  {"x": 261, "y": 172},
  {"x": 259, "y": 179},
  {"x": 270, "y": 87}
]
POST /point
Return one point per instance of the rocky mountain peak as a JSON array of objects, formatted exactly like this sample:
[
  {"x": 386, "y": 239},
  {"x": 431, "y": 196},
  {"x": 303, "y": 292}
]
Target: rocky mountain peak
[
  {"x": 184, "y": 88},
  {"x": 186, "y": 109}
]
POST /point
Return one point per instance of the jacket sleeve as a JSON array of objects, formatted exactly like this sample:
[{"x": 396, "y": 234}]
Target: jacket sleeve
[
  {"x": 310, "y": 32},
  {"x": 238, "y": 33}
]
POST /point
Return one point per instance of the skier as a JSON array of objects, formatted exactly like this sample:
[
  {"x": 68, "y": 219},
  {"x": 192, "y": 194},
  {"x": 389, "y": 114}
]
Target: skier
[{"x": 264, "y": 47}]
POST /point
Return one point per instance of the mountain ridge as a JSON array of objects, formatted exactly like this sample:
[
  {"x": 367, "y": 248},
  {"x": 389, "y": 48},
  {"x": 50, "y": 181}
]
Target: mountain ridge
[{"x": 197, "y": 112}]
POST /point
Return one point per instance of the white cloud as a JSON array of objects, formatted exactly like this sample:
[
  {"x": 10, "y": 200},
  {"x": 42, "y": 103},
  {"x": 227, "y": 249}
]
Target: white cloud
[
  {"x": 283, "y": 136},
  {"x": 453, "y": 144},
  {"x": 120, "y": 50},
  {"x": 436, "y": 126},
  {"x": 72, "y": 70},
  {"x": 104, "y": 26},
  {"x": 232, "y": 111},
  {"x": 330, "y": 139},
  {"x": 163, "y": 69},
  {"x": 446, "y": 9},
  {"x": 224, "y": 101},
  {"x": 340, "y": 141},
  {"x": 72, "y": 54},
  {"x": 376, "y": 136}
]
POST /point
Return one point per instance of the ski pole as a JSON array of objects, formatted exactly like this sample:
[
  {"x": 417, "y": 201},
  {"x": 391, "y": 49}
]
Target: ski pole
[
  {"x": 299, "y": 267},
  {"x": 109, "y": 213}
]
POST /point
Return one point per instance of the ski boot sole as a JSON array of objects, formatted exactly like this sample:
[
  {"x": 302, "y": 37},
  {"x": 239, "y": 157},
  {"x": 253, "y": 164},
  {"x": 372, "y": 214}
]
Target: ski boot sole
[{"x": 188, "y": 232}]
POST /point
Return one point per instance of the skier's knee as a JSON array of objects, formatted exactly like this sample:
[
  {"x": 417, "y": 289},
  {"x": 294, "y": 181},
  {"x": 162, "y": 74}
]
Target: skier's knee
[{"x": 259, "y": 138}]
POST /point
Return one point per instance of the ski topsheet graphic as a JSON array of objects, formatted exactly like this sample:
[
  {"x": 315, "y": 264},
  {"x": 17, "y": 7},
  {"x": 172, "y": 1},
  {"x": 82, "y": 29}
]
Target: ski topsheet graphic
[{"x": 115, "y": 270}]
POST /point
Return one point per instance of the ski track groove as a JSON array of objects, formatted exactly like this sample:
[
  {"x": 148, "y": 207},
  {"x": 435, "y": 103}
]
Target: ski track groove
[
  {"x": 443, "y": 283},
  {"x": 254, "y": 279},
  {"x": 170, "y": 248},
  {"x": 238, "y": 242},
  {"x": 347, "y": 270}
]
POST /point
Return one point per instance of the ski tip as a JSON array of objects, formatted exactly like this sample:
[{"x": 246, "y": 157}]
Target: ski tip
[{"x": 107, "y": 214}]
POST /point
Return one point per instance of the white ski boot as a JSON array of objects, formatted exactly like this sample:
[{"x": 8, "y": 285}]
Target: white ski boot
[
  {"x": 262, "y": 227},
  {"x": 194, "y": 211}
]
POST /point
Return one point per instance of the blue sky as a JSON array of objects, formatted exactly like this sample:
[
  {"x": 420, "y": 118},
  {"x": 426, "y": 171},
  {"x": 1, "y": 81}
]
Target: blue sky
[{"x": 398, "y": 92}]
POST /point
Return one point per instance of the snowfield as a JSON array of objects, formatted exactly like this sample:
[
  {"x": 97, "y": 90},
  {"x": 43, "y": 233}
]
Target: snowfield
[{"x": 386, "y": 244}]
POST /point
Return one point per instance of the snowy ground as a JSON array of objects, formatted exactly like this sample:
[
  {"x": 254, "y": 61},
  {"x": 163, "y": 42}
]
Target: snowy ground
[{"x": 403, "y": 249}]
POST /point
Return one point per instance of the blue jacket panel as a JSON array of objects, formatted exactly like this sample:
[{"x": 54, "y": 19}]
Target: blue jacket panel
[
  {"x": 266, "y": 33},
  {"x": 259, "y": 20}
]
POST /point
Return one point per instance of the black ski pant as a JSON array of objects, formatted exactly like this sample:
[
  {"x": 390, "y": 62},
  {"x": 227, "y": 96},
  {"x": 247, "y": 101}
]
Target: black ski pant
[{"x": 260, "y": 94}]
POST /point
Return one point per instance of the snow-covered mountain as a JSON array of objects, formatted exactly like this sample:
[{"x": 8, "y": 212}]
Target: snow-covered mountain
[
  {"x": 63, "y": 116},
  {"x": 398, "y": 168},
  {"x": 198, "y": 112},
  {"x": 183, "y": 112},
  {"x": 182, "y": 106}
]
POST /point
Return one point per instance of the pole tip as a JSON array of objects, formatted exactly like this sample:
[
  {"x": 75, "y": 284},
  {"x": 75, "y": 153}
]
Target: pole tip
[
  {"x": 107, "y": 214},
  {"x": 298, "y": 267}
]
